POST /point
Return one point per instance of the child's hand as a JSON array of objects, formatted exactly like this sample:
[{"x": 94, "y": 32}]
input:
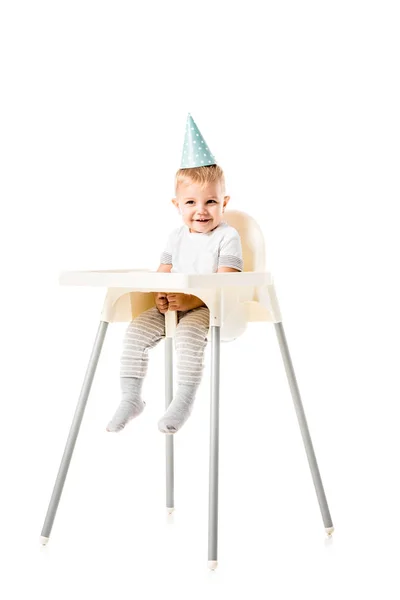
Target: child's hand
[
  {"x": 180, "y": 302},
  {"x": 161, "y": 302}
]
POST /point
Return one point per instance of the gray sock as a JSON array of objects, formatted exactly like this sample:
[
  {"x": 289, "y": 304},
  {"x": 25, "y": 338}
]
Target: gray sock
[
  {"x": 179, "y": 410},
  {"x": 131, "y": 404}
]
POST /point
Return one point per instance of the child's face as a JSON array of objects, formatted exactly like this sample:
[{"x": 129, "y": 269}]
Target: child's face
[{"x": 201, "y": 208}]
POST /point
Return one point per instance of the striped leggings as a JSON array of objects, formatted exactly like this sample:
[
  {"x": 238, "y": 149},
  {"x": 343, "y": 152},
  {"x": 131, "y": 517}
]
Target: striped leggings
[{"x": 146, "y": 331}]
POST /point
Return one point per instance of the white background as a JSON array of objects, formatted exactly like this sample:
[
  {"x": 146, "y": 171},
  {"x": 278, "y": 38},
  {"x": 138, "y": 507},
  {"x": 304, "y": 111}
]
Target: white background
[{"x": 299, "y": 102}]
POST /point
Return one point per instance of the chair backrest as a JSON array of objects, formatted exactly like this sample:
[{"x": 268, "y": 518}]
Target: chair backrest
[{"x": 252, "y": 239}]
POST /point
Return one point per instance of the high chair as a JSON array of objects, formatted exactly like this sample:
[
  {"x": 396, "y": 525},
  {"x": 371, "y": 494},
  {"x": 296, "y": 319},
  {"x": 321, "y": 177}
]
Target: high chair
[{"x": 233, "y": 299}]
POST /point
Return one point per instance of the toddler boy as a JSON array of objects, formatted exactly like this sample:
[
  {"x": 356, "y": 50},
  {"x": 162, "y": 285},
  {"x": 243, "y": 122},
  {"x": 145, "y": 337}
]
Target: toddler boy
[{"x": 203, "y": 244}]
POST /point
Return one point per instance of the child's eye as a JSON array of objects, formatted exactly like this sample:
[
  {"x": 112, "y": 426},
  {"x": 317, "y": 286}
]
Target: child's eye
[{"x": 210, "y": 200}]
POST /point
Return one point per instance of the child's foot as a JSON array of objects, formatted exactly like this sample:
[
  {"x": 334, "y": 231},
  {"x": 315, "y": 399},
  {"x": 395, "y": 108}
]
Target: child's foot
[
  {"x": 131, "y": 404},
  {"x": 179, "y": 410}
]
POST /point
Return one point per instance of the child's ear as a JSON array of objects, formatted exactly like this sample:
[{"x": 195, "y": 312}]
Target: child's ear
[
  {"x": 175, "y": 202},
  {"x": 226, "y": 200}
]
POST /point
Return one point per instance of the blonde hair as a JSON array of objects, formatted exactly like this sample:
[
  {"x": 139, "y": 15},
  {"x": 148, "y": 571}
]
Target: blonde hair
[{"x": 201, "y": 175}]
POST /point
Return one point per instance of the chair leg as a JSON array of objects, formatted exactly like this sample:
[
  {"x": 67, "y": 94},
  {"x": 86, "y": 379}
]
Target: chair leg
[
  {"x": 169, "y": 439},
  {"x": 214, "y": 448},
  {"x": 73, "y": 434},
  {"x": 326, "y": 517}
]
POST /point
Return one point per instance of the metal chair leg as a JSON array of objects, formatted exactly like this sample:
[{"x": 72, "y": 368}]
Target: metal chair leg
[
  {"x": 169, "y": 439},
  {"x": 214, "y": 448},
  {"x": 326, "y": 517},
  {"x": 73, "y": 434}
]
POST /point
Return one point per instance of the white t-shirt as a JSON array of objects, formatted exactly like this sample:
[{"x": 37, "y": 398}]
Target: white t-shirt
[{"x": 203, "y": 252}]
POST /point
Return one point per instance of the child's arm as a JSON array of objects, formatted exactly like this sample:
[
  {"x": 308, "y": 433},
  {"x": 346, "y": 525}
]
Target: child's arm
[
  {"x": 164, "y": 268},
  {"x": 228, "y": 270},
  {"x": 195, "y": 302}
]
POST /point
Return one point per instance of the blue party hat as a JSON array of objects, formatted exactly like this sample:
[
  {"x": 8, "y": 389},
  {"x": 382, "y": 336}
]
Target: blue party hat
[{"x": 195, "y": 151}]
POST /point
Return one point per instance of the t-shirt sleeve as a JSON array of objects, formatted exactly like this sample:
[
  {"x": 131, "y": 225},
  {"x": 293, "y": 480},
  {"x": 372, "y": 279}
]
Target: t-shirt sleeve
[
  {"x": 230, "y": 251},
  {"x": 166, "y": 255}
]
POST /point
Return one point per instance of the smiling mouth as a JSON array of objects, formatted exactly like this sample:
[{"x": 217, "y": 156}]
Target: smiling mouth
[{"x": 202, "y": 220}]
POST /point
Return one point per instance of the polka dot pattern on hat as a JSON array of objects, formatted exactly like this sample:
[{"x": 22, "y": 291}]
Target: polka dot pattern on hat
[{"x": 195, "y": 150}]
